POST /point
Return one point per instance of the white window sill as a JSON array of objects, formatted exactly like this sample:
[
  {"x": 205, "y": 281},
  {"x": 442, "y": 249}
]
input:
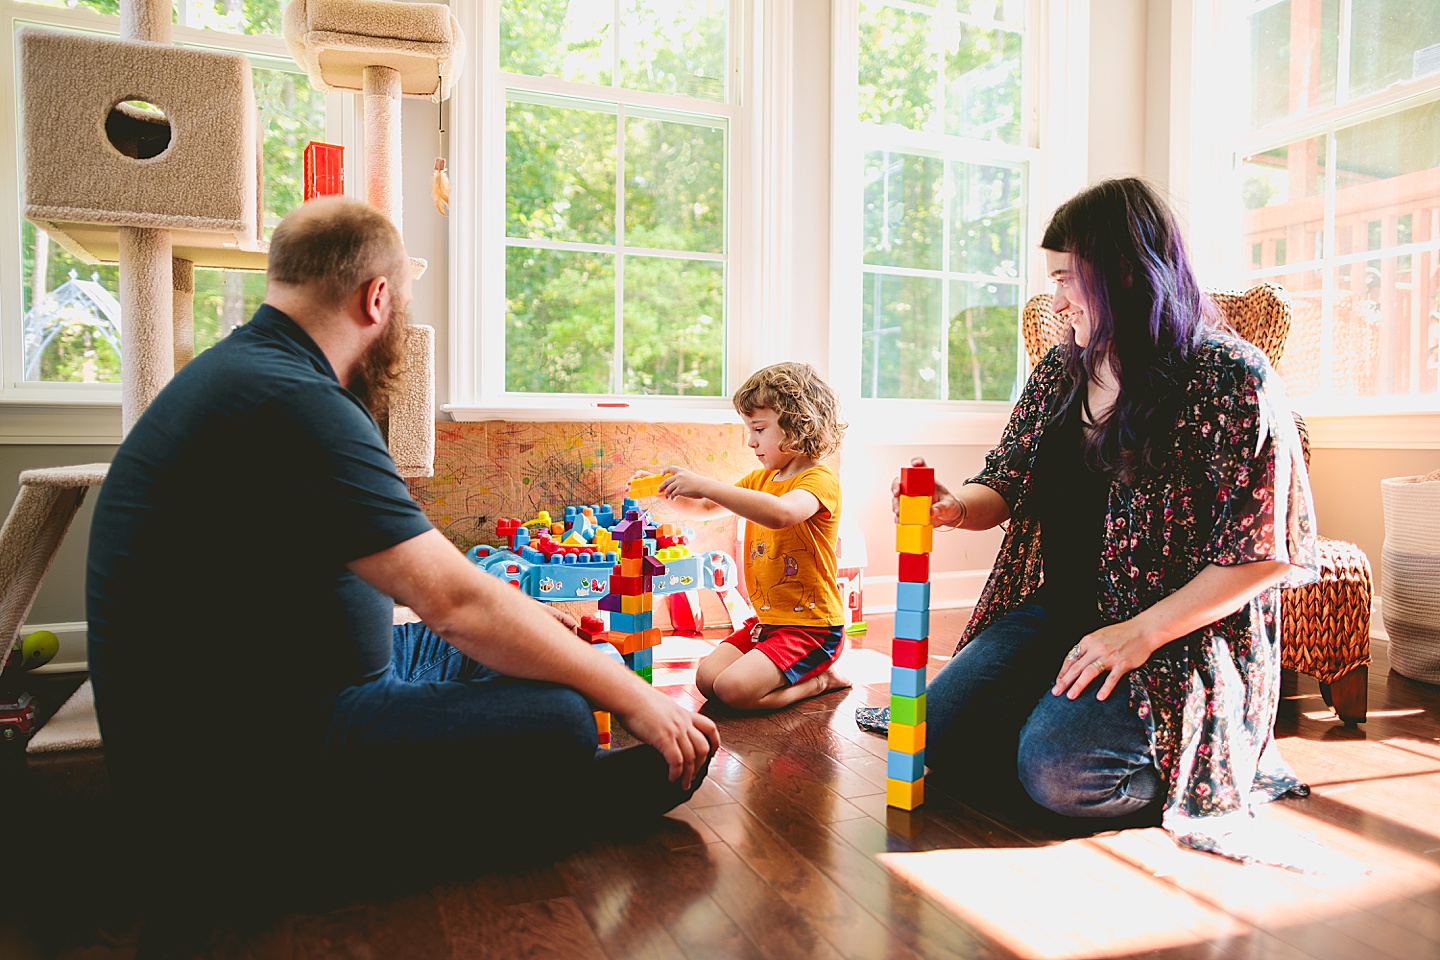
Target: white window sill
[
  {"x": 638, "y": 409},
  {"x": 1375, "y": 431},
  {"x": 60, "y": 420}
]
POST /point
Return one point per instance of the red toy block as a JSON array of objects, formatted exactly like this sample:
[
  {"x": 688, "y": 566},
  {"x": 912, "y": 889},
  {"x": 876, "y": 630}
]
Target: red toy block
[
  {"x": 917, "y": 481},
  {"x": 914, "y": 567},
  {"x": 910, "y": 653},
  {"x": 324, "y": 170},
  {"x": 632, "y": 549},
  {"x": 626, "y": 586},
  {"x": 592, "y": 629}
]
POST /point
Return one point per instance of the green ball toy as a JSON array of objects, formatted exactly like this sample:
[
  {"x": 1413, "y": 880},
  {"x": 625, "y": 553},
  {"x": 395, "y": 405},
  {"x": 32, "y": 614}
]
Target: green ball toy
[{"x": 38, "y": 648}]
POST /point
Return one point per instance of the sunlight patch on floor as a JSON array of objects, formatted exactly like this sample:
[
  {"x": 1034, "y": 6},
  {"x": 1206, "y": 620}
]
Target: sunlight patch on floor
[{"x": 1061, "y": 900}]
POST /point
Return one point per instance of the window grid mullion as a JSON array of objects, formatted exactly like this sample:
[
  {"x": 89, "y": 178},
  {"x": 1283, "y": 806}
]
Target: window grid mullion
[{"x": 618, "y": 350}]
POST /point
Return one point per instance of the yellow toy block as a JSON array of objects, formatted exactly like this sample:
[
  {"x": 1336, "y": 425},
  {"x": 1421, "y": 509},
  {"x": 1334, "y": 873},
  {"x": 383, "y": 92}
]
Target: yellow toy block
[
  {"x": 906, "y": 738},
  {"x": 905, "y": 794},
  {"x": 913, "y": 537},
  {"x": 604, "y": 542},
  {"x": 648, "y": 486},
  {"x": 602, "y": 721},
  {"x": 641, "y": 603},
  {"x": 574, "y": 540},
  {"x": 915, "y": 510},
  {"x": 632, "y": 567}
]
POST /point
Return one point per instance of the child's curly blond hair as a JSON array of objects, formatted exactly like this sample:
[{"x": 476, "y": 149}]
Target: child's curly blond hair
[{"x": 808, "y": 412}]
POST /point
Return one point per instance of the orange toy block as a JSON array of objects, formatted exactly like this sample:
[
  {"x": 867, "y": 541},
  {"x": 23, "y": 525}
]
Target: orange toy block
[
  {"x": 906, "y": 738},
  {"x": 914, "y": 537},
  {"x": 915, "y": 510},
  {"x": 905, "y": 794},
  {"x": 644, "y": 603},
  {"x": 631, "y": 567}
]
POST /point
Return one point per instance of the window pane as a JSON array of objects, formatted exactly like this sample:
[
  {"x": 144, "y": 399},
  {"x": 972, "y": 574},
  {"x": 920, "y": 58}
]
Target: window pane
[
  {"x": 1010, "y": 12},
  {"x": 674, "y": 185},
  {"x": 224, "y": 300},
  {"x": 1387, "y": 319},
  {"x": 231, "y": 16},
  {"x": 982, "y": 83},
  {"x": 559, "y": 173},
  {"x": 675, "y": 46},
  {"x": 674, "y": 327},
  {"x": 984, "y": 340},
  {"x": 897, "y": 67},
  {"x": 1387, "y": 172},
  {"x": 986, "y": 218},
  {"x": 559, "y": 321},
  {"x": 900, "y": 342},
  {"x": 903, "y": 210},
  {"x": 1389, "y": 41},
  {"x": 569, "y": 39},
  {"x": 1293, "y": 50},
  {"x": 1283, "y": 191},
  {"x": 111, "y": 7},
  {"x": 72, "y": 319},
  {"x": 1301, "y": 365},
  {"x": 292, "y": 113}
]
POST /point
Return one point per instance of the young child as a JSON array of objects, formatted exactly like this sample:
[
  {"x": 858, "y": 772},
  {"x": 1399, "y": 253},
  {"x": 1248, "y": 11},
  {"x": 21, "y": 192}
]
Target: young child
[{"x": 792, "y": 502}]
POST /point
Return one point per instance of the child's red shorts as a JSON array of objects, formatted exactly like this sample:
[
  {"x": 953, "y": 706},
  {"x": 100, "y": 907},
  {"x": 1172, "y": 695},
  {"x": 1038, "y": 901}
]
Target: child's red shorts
[{"x": 799, "y": 652}]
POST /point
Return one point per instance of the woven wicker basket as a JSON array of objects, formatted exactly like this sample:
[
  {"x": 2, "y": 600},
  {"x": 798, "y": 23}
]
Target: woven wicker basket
[{"x": 1410, "y": 576}]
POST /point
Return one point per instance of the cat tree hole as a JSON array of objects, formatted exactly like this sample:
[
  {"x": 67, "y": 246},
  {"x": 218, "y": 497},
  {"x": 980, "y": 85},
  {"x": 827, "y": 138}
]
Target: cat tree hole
[{"x": 137, "y": 129}]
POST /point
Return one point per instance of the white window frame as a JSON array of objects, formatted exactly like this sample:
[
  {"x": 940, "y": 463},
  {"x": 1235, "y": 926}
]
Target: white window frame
[
  {"x": 1055, "y": 150},
  {"x": 42, "y": 412},
  {"x": 1215, "y": 137},
  {"x": 758, "y": 224}
]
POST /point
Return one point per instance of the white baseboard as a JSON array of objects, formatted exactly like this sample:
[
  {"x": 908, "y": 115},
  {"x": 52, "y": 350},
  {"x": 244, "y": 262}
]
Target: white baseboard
[
  {"x": 72, "y": 657},
  {"x": 953, "y": 589}
]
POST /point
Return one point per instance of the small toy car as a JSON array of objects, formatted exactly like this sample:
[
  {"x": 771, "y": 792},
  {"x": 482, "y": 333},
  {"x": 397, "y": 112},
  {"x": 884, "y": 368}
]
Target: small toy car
[{"x": 17, "y": 717}]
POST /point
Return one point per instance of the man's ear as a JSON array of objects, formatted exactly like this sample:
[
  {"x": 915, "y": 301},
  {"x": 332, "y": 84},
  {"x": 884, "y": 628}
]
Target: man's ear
[{"x": 377, "y": 295}]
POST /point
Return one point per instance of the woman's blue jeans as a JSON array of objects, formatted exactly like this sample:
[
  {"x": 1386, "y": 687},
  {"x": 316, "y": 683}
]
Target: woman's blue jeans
[
  {"x": 991, "y": 719},
  {"x": 438, "y": 727}
]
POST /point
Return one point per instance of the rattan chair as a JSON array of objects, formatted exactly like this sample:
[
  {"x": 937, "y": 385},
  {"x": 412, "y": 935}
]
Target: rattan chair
[{"x": 1325, "y": 626}]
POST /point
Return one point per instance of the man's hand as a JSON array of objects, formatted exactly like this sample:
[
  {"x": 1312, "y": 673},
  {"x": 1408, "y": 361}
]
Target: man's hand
[
  {"x": 566, "y": 621},
  {"x": 683, "y": 737}
]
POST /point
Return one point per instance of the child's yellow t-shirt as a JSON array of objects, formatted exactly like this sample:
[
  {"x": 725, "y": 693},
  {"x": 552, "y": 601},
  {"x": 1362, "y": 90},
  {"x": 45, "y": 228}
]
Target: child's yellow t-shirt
[{"x": 791, "y": 573}]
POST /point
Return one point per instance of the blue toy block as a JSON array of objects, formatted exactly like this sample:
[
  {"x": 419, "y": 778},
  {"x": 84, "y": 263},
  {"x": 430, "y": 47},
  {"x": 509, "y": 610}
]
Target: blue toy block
[
  {"x": 605, "y": 516},
  {"x": 631, "y": 622},
  {"x": 627, "y": 505},
  {"x": 907, "y": 681},
  {"x": 906, "y": 767},
  {"x": 644, "y": 658},
  {"x": 531, "y": 554},
  {"x": 912, "y": 624},
  {"x": 912, "y": 596},
  {"x": 522, "y": 537}
]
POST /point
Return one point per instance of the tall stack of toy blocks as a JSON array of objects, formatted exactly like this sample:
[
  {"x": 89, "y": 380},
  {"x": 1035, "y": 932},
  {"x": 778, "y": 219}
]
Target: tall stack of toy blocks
[
  {"x": 905, "y": 770},
  {"x": 631, "y": 600}
]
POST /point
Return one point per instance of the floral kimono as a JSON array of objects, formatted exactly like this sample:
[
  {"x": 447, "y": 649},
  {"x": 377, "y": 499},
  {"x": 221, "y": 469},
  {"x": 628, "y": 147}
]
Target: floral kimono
[{"x": 1233, "y": 490}]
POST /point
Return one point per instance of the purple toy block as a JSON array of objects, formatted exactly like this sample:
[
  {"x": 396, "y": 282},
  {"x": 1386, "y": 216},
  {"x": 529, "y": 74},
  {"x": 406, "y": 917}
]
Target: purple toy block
[
  {"x": 610, "y": 602},
  {"x": 653, "y": 566}
]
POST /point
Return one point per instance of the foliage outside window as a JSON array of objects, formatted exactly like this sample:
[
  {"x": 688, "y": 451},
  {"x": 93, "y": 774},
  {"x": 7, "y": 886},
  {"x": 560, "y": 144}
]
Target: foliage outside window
[
  {"x": 942, "y": 89},
  {"x": 617, "y": 133},
  {"x": 1339, "y": 177},
  {"x": 69, "y": 333}
]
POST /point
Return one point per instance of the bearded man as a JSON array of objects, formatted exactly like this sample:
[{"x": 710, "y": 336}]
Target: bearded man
[{"x": 247, "y": 551}]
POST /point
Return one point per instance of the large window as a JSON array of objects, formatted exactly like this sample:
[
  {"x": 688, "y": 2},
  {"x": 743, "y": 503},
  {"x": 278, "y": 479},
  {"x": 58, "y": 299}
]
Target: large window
[
  {"x": 63, "y": 322},
  {"x": 612, "y": 267},
  {"x": 1340, "y": 185},
  {"x": 941, "y": 134}
]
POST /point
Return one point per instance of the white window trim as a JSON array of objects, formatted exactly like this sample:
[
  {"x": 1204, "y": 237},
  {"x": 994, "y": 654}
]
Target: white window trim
[
  {"x": 37, "y": 412},
  {"x": 1203, "y": 121},
  {"x": 1058, "y": 45},
  {"x": 760, "y": 231}
]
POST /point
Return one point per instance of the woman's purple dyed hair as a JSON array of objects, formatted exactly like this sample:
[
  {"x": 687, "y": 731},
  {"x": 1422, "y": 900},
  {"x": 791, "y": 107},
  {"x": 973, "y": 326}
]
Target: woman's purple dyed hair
[{"x": 1147, "y": 313}]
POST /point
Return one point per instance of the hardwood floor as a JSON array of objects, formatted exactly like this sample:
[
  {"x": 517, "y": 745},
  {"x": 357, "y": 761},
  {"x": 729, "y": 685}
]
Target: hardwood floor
[{"x": 789, "y": 851}]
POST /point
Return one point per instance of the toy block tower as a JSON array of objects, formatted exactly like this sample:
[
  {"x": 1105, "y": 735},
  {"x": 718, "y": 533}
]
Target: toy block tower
[
  {"x": 592, "y": 630},
  {"x": 631, "y": 600},
  {"x": 905, "y": 769}
]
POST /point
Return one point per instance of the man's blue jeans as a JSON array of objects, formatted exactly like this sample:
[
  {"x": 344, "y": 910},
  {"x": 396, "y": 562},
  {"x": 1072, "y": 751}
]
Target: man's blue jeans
[
  {"x": 439, "y": 728},
  {"x": 990, "y": 716}
]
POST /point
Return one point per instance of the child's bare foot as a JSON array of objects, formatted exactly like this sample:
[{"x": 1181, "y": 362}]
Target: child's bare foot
[{"x": 830, "y": 680}]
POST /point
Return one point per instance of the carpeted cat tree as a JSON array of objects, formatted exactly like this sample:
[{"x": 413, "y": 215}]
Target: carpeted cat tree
[{"x": 147, "y": 155}]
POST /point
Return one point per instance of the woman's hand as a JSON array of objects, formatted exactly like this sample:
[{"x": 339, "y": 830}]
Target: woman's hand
[
  {"x": 684, "y": 483},
  {"x": 1111, "y": 652},
  {"x": 946, "y": 510},
  {"x": 684, "y": 738}
]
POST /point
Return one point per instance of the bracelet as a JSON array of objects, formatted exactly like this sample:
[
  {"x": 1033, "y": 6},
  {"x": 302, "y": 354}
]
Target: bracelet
[{"x": 958, "y": 522}]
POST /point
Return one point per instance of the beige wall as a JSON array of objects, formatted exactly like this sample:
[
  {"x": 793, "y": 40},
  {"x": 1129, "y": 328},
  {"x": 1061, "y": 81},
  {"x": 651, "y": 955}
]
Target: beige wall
[{"x": 1346, "y": 485}]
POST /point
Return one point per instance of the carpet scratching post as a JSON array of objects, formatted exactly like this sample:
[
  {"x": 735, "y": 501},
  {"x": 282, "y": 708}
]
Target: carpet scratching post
[
  {"x": 383, "y": 51},
  {"x": 905, "y": 766}
]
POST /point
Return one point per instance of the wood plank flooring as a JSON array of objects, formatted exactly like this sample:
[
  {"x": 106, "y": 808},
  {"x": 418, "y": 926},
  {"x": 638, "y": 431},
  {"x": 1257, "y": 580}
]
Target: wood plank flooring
[{"x": 789, "y": 851}]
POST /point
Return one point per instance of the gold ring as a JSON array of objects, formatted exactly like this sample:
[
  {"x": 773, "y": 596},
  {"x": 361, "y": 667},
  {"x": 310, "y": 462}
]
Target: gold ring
[{"x": 1098, "y": 665}]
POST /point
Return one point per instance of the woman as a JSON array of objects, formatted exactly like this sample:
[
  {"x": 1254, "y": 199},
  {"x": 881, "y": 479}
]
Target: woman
[{"x": 1123, "y": 659}]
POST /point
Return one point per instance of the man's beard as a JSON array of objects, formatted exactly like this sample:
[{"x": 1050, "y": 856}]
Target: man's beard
[{"x": 378, "y": 372}]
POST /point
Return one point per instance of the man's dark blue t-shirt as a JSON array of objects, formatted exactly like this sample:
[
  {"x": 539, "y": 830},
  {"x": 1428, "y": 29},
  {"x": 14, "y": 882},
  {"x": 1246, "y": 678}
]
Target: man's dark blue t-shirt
[{"x": 222, "y": 618}]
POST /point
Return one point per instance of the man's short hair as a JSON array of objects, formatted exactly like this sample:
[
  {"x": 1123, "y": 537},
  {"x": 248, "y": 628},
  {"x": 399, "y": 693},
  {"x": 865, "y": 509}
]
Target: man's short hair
[{"x": 333, "y": 246}]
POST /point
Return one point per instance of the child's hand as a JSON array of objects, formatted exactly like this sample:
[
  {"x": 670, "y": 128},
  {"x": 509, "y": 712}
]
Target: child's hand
[{"x": 684, "y": 483}]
